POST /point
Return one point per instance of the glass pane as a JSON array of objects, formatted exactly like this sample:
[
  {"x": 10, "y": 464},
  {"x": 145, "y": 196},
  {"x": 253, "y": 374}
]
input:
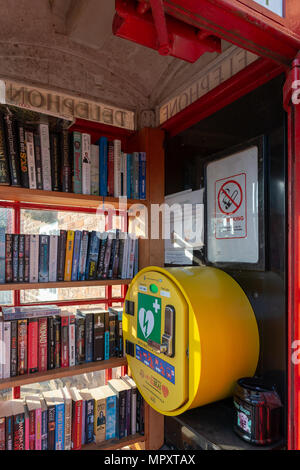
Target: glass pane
[
  {"x": 67, "y": 293},
  {"x": 6, "y": 222},
  {"x": 117, "y": 291}
]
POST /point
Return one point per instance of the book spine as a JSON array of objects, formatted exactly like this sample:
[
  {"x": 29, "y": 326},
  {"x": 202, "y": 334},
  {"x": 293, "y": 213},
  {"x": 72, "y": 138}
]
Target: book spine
[
  {"x": 21, "y": 261},
  {"x": 110, "y": 170},
  {"x": 111, "y": 259},
  {"x": 2, "y": 255},
  {"x": 129, "y": 174},
  {"x": 26, "y": 258},
  {"x": 38, "y": 429},
  {"x": 4, "y": 165},
  {"x": 7, "y": 343},
  {"x": 2, "y": 433},
  {"x": 86, "y": 164},
  {"x": 64, "y": 341},
  {"x": 44, "y": 437},
  {"x": 59, "y": 427},
  {"x": 34, "y": 259},
  {"x": 106, "y": 336},
  {"x": 83, "y": 422},
  {"x": 121, "y": 254},
  {"x": 8, "y": 257},
  {"x": 44, "y": 258},
  {"x": 30, "y": 159},
  {"x": 99, "y": 420},
  {"x": 33, "y": 345},
  {"x": 107, "y": 256},
  {"x": 19, "y": 432},
  {"x": 122, "y": 414},
  {"x": 89, "y": 420},
  {"x": 95, "y": 183},
  {"x": 69, "y": 255},
  {"x": 76, "y": 254},
  {"x": 13, "y": 349},
  {"x": 9, "y": 433},
  {"x": 38, "y": 161},
  {"x": 115, "y": 266},
  {"x": 57, "y": 346},
  {"x": 2, "y": 349},
  {"x": 101, "y": 256},
  {"x": 117, "y": 168},
  {"x": 76, "y": 424},
  {"x": 27, "y": 428},
  {"x": 51, "y": 427},
  {"x": 99, "y": 336},
  {"x": 111, "y": 419},
  {"x": 23, "y": 156},
  {"x": 46, "y": 160},
  {"x": 22, "y": 347},
  {"x": 61, "y": 255},
  {"x": 142, "y": 175},
  {"x": 112, "y": 334},
  {"x": 89, "y": 331},
  {"x": 15, "y": 257},
  {"x": 55, "y": 162},
  {"x": 83, "y": 255},
  {"x": 133, "y": 410},
  {"x": 128, "y": 412},
  {"x": 93, "y": 255},
  {"x": 53, "y": 244},
  {"x": 43, "y": 344},
  {"x": 120, "y": 335},
  {"x": 80, "y": 340},
  {"x": 12, "y": 148},
  {"x": 103, "y": 149},
  {"x": 135, "y": 169},
  {"x": 68, "y": 425},
  {"x": 51, "y": 343},
  {"x": 72, "y": 341},
  {"x": 66, "y": 166},
  {"x": 77, "y": 163}
]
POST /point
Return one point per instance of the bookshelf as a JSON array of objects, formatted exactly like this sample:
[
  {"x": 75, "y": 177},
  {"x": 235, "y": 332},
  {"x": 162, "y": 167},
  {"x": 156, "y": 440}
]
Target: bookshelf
[{"x": 150, "y": 253}]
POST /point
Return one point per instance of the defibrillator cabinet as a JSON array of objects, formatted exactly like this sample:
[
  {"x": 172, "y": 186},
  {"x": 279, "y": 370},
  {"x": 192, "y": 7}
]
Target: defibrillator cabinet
[{"x": 190, "y": 333}]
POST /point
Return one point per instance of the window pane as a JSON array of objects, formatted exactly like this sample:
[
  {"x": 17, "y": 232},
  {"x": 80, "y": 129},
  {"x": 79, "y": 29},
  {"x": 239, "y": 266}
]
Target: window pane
[
  {"x": 7, "y": 222},
  {"x": 66, "y": 293}
]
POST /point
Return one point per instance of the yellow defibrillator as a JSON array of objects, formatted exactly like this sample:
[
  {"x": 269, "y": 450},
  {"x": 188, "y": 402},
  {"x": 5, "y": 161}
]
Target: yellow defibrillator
[{"x": 189, "y": 334}]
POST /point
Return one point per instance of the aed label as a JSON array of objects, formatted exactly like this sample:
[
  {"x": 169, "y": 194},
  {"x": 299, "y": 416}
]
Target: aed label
[
  {"x": 162, "y": 368},
  {"x": 149, "y": 318}
]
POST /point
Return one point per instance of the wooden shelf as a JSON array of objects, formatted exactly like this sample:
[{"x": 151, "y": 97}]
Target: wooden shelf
[
  {"x": 36, "y": 196},
  {"x": 62, "y": 372},
  {"x": 114, "y": 444},
  {"x": 57, "y": 285}
]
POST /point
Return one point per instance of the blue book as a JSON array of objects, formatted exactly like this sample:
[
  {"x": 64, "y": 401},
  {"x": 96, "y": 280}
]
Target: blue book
[
  {"x": 142, "y": 175},
  {"x": 89, "y": 421},
  {"x": 129, "y": 175},
  {"x": 106, "y": 336},
  {"x": 93, "y": 254},
  {"x": 44, "y": 258},
  {"x": 2, "y": 255},
  {"x": 111, "y": 412},
  {"x": 76, "y": 255},
  {"x": 59, "y": 424},
  {"x": 103, "y": 166},
  {"x": 83, "y": 255}
]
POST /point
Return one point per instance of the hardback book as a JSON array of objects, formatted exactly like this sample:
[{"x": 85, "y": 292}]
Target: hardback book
[
  {"x": 135, "y": 174},
  {"x": 50, "y": 343},
  {"x": 26, "y": 257},
  {"x": 61, "y": 255},
  {"x": 86, "y": 163},
  {"x": 45, "y": 152},
  {"x": 66, "y": 168},
  {"x": 4, "y": 165},
  {"x": 34, "y": 259},
  {"x": 22, "y": 155},
  {"x": 69, "y": 255},
  {"x": 50, "y": 403},
  {"x": 106, "y": 336},
  {"x": 30, "y": 159},
  {"x": 132, "y": 384},
  {"x": 18, "y": 424},
  {"x": 99, "y": 414},
  {"x": 99, "y": 330},
  {"x": 53, "y": 250},
  {"x": 33, "y": 345},
  {"x": 110, "y": 412},
  {"x": 12, "y": 149},
  {"x": 57, "y": 338},
  {"x": 103, "y": 149},
  {"x": 44, "y": 258},
  {"x": 64, "y": 319},
  {"x": 44, "y": 426},
  {"x": 72, "y": 341},
  {"x": 8, "y": 257},
  {"x": 120, "y": 388},
  {"x": 93, "y": 255},
  {"x": 2, "y": 255},
  {"x": 77, "y": 163},
  {"x": 103, "y": 242},
  {"x": 83, "y": 255},
  {"x": 80, "y": 339},
  {"x": 55, "y": 161},
  {"x": 38, "y": 161},
  {"x": 95, "y": 183},
  {"x": 117, "y": 168},
  {"x": 89, "y": 401},
  {"x": 76, "y": 255},
  {"x": 7, "y": 346},
  {"x": 22, "y": 347},
  {"x": 76, "y": 418},
  {"x": 142, "y": 175},
  {"x": 68, "y": 418},
  {"x": 88, "y": 316},
  {"x": 21, "y": 256},
  {"x": 43, "y": 344},
  {"x": 15, "y": 257},
  {"x": 14, "y": 348},
  {"x": 110, "y": 170}
]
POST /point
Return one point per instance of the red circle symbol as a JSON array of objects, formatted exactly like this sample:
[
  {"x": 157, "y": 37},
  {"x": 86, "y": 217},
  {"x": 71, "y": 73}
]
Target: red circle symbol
[{"x": 230, "y": 197}]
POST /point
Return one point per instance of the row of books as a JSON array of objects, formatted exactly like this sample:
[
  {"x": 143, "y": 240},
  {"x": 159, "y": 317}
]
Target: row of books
[
  {"x": 67, "y": 418},
  {"x": 35, "y": 158},
  {"x": 71, "y": 256},
  {"x": 37, "y": 339}
]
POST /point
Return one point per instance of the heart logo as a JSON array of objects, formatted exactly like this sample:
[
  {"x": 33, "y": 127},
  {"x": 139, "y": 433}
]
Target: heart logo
[
  {"x": 146, "y": 320},
  {"x": 165, "y": 391}
]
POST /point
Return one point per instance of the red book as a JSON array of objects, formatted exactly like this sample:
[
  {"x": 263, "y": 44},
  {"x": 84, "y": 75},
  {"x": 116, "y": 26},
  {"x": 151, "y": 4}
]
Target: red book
[
  {"x": 2, "y": 433},
  {"x": 22, "y": 347},
  {"x": 32, "y": 430},
  {"x": 65, "y": 339},
  {"x": 76, "y": 418},
  {"x": 110, "y": 169},
  {"x": 43, "y": 341},
  {"x": 33, "y": 345}
]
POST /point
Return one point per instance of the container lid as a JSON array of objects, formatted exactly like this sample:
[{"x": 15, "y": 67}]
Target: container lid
[{"x": 255, "y": 384}]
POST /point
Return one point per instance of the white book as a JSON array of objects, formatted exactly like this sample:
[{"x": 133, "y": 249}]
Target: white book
[
  {"x": 30, "y": 159},
  {"x": 95, "y": 176},
  {"x": 117, "y": 168},
  {"x": 45, "y": 154},
  {"x": 53, "y": 242},
  {"x": 86, "y": 164},
  {"x": 34, "y": 259},
  {"x": 72, "y": 341},
  {"x": 7, "y": 336}
]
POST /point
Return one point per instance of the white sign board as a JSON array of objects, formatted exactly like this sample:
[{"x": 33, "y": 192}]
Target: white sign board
[
  {"x": 232, "y": 208},
  {"x": 276, "y": 6}
]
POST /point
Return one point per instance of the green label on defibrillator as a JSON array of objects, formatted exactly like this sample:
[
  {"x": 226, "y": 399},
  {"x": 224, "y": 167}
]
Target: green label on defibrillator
[{"x": 149, "y": 318}]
